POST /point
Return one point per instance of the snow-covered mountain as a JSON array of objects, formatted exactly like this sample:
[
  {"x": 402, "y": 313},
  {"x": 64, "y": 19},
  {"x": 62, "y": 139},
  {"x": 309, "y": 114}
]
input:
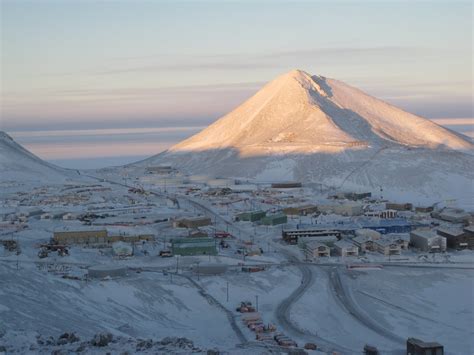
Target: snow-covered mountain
[
  {"x": 307, "y": 113},
  {"x": 18, "y": 164},
  {"x": 315, "y": 129}
]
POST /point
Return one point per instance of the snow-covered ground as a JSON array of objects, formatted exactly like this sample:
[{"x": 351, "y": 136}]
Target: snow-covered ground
[
  {"x": 434, "y": 304},
  {"x": 165, "y": 305}
]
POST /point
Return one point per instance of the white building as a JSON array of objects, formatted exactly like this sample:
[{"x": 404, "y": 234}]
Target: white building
[
  {"x": 382, "y": 214},
  {"x": 364, "y": 243},
  {"x": 346, "y": 248},
  {"x": 427, "y": 240},
  {"x": 387, "y": 247},
  {"x": 402, "y": 239},
  {"x": 315, "y": 250},
  {"x": 344, "y": 209}
]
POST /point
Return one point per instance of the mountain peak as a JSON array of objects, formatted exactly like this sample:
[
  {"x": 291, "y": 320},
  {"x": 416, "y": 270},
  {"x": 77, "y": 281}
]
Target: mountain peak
[
  {"x": 304, "y": 113},
  {"x": 307, "y": 81}
]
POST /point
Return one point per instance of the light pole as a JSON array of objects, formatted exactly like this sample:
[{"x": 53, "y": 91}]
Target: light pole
[
  {"x": 227, "y": 291},
  {"x": 256, "y": 302},
  {"x": 177, "y": 263},
  {"x": 198, "y": 269}
]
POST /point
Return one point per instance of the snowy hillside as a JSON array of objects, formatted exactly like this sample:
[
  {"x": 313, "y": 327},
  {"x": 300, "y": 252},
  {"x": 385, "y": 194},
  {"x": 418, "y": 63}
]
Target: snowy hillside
[
  {"x": 18, "y": 164},
  {"x": 311, "y": 128}
]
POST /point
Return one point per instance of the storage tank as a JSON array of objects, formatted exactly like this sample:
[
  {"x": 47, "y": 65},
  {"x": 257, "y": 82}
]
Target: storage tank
[
  {"x": 122, "y": 249},
  {"x": 210, "y": 269}
]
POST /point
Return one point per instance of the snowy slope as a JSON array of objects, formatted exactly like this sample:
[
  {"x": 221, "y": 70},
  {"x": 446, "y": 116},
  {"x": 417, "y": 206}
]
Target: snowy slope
[
  {"x": 18, "y": 164},
  {"x": 311, "y": 128}
]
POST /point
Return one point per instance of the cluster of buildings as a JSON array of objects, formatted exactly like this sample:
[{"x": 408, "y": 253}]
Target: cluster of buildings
[{"x": 388, "y": 240}]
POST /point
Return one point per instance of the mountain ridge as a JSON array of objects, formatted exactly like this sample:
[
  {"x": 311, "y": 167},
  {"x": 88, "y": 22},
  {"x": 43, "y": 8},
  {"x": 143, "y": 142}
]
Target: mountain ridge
[{"x": 19, "y": 164}]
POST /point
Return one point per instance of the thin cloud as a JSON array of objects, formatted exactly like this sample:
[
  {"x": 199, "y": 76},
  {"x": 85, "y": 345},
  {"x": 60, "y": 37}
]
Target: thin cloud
[{"x": 242, "y": 62}]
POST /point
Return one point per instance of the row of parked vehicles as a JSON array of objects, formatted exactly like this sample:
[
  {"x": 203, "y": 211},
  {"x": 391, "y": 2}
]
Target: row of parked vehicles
[{"x": 263, "y": 332}]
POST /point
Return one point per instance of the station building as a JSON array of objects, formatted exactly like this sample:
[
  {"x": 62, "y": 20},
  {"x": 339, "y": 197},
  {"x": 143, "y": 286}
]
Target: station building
[{"x": 194, "y": 246}]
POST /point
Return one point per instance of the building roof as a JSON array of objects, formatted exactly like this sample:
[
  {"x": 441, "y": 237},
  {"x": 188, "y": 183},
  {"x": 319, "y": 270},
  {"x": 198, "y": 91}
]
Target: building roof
[
  {"x": 191, "y": 240},
  {"x": 79, "y": 228},
  {"x": 469, "y": 228},
  {"x": 192, "y": 219},
  {"x": 455, "y": 232},
  {"x": 425, "y": 233},
  {"x": 363, "y": 223},
  {"x": 456, "y": 213},
  {"x": 315, "y": 245},
  {"x": 274, "y": 216},
  {"x": 398, "y": 236},
  {"x": 385, "y": 242},
  {"x": 423, "y": 344},
  {"x": 344, "y": 244},
  {"x": 361, "y": 239}
]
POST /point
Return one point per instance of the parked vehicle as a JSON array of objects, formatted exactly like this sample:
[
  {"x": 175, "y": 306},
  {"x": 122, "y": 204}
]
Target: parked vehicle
[
  {"x": 310, "y": 346},
  {"x": 165, "y": 253}
]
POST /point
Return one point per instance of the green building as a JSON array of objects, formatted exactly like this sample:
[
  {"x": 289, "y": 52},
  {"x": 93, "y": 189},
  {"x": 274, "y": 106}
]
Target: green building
[
  {"x": 251, "y": 216},
  {"x": 194, "y": 246},
  {"x": 275, "y": 219}
]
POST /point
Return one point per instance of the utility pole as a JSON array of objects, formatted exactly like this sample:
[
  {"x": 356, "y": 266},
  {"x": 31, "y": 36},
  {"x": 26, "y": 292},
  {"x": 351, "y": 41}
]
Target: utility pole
[
  {"x": 17, "y": 253},
  {"x": 227, "y": 291},
  {"x": 198, "y": 269},
  {"x": 177, "y": 263},
  {"x": 256, "y": 302}
]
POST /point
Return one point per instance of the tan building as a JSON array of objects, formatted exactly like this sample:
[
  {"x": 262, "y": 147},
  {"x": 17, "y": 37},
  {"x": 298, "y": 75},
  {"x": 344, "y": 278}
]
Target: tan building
[
  {"x": 81, "y": 237},
  {"x": 300, "y": 210},
  {"x": 96, "y": 237}
]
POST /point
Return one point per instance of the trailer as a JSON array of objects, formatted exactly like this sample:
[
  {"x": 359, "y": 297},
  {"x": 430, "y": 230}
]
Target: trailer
[{"x": 253, "y": 268}]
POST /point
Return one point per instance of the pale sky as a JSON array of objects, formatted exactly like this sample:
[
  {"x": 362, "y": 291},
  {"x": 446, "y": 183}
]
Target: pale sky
[{"x": 86, "y": 65}]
